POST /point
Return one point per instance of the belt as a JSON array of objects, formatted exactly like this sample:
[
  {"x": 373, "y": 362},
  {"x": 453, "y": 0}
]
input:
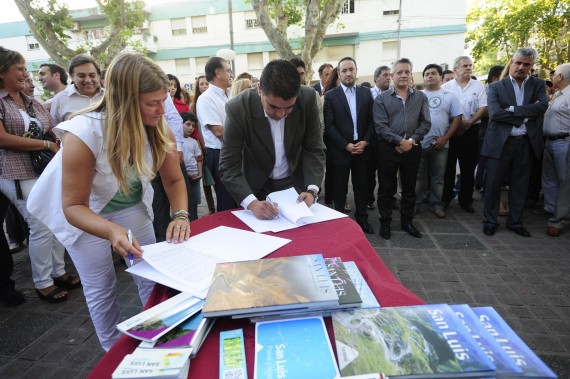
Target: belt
[
  {"x": 522, "y": 136},
  {"x": 560, "y": 136}
]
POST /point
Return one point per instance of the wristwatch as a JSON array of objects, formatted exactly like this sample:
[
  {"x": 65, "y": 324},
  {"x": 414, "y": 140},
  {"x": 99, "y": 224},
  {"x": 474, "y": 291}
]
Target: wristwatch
[{"x": 314, "y": 193}]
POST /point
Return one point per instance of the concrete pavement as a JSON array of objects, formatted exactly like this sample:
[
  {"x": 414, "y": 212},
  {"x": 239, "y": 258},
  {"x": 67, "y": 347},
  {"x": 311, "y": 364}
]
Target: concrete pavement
[{"x": 525, "y": 279}]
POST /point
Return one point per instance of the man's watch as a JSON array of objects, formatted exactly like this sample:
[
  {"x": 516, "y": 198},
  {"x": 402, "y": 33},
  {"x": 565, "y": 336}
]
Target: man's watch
[{"x": 314, "y": 193}]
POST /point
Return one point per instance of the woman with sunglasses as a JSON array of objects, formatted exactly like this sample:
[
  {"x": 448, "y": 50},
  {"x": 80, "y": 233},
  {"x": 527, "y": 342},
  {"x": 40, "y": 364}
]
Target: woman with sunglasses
[{"x": 20, "y": 114}]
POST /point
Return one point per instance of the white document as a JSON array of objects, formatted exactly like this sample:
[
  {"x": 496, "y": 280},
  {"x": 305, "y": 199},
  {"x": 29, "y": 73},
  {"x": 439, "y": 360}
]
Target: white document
[
  {"x": 289, "y": 207},
  {"x": 320, "y": 213},
  {"x": 191, "y": 264}
]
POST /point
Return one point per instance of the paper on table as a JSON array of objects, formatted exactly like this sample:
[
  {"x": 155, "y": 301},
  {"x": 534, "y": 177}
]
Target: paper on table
[
  {"x": 192, "y": 262},
  {"x": 320, "y": 214},
  {"x": 289, "y": 207}
]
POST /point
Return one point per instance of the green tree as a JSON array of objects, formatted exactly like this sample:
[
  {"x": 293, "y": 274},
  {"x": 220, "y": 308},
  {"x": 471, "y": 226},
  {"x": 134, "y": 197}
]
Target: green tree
[
  {"x": 507, "y": 25},
  {"x": 49, "y": 22},
  {"x": 315, "y": 16}
]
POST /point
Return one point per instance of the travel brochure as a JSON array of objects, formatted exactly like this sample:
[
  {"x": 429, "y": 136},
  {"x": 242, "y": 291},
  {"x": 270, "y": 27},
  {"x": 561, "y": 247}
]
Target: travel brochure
[{"x": 145, "y": 363}]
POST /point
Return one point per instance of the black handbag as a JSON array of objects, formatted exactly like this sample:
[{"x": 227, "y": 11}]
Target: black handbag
[{"x": 41, "y": 158}]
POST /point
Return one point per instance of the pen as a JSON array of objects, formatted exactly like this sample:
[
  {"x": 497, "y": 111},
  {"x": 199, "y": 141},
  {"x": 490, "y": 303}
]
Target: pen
[
  {"x": 268, "y": 199},
  {"x": 130, "y": 237}
]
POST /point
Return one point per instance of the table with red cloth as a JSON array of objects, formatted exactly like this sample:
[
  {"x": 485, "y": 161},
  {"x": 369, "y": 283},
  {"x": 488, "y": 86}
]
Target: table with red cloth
[{"x": 337, "y": 238}]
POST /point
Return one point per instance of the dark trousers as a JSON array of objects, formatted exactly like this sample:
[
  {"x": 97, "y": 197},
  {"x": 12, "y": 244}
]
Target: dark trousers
[
  {"x": 371, "y": 173},
  {"x": 359, "y": 170},
  {"x": 466, "y": 150},
  {"x": 6, "y": 261},
  {"x": 161, "y": 205},
  {"x": 389, "y": 161},
  {"x": 16, "y": 227},
  {"x": 516, "y": 160},
  {"x": 224, "y": 199}
]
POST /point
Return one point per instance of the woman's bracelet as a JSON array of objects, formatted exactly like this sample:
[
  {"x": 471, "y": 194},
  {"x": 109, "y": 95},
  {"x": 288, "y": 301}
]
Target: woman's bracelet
[
  {"x": 181, "y": 217},
  {"x": 46, "y": 145},
  {"x": 181, "y": 212}
]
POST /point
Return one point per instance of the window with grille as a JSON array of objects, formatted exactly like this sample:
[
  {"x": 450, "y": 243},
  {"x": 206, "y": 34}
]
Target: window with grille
[
  {"x": 348, "y": 7},
  {"x": 199, "y": 24},
  {"x": 32, "y": 43},
  {"x": 178, "y": 26},
  {"x": 393, "y": 12},
  {"x": 251, "y": 20}
]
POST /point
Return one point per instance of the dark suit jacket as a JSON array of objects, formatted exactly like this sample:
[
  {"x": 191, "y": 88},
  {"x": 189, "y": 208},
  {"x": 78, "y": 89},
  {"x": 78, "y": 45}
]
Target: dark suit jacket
[
  {"x": 318, "y": 88},
  {"x": 502, "y": 96},
  {"x": 339, "y": 127},
  {"x": 247, "y": 156}
]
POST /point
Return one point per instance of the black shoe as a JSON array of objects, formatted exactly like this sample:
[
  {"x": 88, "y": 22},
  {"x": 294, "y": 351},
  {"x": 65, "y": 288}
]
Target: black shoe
[
  {"x": 366, "y": 227},
  {"x": 519, "y": 230},
  {"x": 467, "y": 208},
  {"x": 489, "y": 230},
  {"x": 370, "y": 206},
  {"x": 385, "y": 231},
  {"x": 11, "y": 297},
  {"x": 411, "y": 230}
]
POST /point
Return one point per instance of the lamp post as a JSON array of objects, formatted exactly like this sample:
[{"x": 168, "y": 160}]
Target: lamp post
[{"x": 231, "y": 32}]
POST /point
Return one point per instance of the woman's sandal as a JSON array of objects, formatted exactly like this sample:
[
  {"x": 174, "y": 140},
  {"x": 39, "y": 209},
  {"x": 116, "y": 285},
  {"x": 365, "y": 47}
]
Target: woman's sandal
[
  {"x": 51, "y": 296},
  {"x": 68, "y": 282}
]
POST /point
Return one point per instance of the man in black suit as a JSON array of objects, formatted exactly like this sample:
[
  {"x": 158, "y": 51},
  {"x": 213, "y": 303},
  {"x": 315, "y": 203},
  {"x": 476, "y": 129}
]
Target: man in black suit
[
  {"x": 514, "y": 133},
  {"x": 349, "y": 127},
  {"x": 324, "y": 72}
]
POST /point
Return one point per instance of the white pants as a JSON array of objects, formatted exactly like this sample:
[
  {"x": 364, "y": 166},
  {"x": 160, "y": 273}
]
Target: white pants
[
  {"x": 94, "y": 262},
  {"x": 46, "y": 252}
]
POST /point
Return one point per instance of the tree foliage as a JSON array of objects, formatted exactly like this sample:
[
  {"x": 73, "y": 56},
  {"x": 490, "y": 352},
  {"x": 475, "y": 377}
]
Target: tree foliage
[
  {"x": 315, "y": 16},
  {"x": 507, "y": 25},
  {"x": 50, "y": 21}
]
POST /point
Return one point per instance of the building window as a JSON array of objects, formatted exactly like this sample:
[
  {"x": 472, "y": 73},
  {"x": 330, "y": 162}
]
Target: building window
[
  {"x": 348, "y": 7},
  {"x": 393, "y": 12},
  {"x": 255, "y": 61},
  {"x": 251, "y": 20},
  {"x": 32, "y": 43},
  {"x": 178, "y": 26},
  {"x": 182, "y": 66},
  {"x": 199, "y": 24},
  {"x": 201, "y": 65},
  {"x": 93, "y": 34}
]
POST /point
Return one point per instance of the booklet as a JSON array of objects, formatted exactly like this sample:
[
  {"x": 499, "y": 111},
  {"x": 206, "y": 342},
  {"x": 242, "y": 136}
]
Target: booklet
[
  {"x": 153, "y": 323},
  {"x": 424, "y": 341},
  {"x": 148, "y": 363},
  {"x": 291, "y": 214},
  {"x": 532, "y": 366},
  {"x": 294, "y": 348},
  {"x": 368, "y": 298},
  {"x": 267, "y": 285}
]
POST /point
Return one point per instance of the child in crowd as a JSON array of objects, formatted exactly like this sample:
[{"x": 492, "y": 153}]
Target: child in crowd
[{"x": 193, "y": 162}]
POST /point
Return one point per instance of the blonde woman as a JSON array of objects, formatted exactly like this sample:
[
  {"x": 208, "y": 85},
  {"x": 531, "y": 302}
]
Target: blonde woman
[
  {"x": 240, "y": 85},
  {"x": 111, "y": 152}
]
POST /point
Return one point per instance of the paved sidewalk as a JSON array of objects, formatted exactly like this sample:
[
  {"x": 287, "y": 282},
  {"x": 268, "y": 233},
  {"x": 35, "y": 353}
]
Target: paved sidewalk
[{"x": 525, "y": 279}]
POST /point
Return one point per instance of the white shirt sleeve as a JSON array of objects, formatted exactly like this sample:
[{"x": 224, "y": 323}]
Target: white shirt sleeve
[{"x": 175, "y": 122}]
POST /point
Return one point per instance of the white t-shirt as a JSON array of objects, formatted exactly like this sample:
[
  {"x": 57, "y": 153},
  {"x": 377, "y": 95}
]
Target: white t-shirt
[
  {"x": 472, "y": 97},
  {"x": 443, "y": 105},
  {"x": 191, "y": 151}
]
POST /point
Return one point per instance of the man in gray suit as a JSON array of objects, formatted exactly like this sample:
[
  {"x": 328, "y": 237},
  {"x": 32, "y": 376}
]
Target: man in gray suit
[
  {"x": 272, "y": 141},
  {"x": 514, "y": 133}
]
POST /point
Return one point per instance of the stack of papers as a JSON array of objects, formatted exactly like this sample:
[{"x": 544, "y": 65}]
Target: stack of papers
[
  {"x": 150, "y": 363},
  {"x": 291, "y": 214},
  {"x": 189, "y": 266}
]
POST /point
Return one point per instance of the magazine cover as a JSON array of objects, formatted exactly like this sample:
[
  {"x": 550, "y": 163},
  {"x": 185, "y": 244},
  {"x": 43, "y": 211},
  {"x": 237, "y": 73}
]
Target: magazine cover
[
  {"x": 425, "y": 341},
  {"x": 347, "y": 294},
  {"x": 293, "y": 349},
  {"x": 158, "y": 320},
  {"x": 531, "y": 365},
  {"x": 505, "y": 365},
  {"x": 299, "y": 282},
  {"x": 368, "y": 298}
]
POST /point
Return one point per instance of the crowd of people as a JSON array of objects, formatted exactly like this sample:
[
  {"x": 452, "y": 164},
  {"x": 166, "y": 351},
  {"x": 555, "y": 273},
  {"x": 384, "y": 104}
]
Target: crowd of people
[{"x": 130, "y": 169}]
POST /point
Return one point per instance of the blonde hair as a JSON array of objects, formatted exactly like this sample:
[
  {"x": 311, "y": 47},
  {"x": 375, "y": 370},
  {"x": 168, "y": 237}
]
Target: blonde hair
[
  {"x": 124, "y": 133},
  {"x": 240, "y": 85}
]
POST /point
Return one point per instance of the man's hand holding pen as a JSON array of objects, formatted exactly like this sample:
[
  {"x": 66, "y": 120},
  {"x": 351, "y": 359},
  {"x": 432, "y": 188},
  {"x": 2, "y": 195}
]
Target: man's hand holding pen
[{"x": 264, "y": 210}]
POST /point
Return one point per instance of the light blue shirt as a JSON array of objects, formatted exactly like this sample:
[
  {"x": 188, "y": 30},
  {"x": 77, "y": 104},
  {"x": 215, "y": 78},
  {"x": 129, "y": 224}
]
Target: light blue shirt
[
  {"x": 350, "y": 94},
  {"x": 519, "y": 95}
]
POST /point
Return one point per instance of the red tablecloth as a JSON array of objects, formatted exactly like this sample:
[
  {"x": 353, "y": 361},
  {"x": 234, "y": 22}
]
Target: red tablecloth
[{"x": 338, "y": 238}]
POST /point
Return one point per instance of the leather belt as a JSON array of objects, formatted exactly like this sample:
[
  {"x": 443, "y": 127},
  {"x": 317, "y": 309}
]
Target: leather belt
[
  {"x": 522, "y": 136},
  {"x": 560, "y": 136}
]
